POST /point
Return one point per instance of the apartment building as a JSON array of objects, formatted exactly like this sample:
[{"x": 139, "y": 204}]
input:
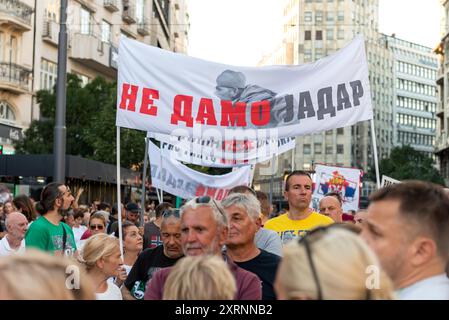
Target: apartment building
[
  {"x": 29, "y": 32},
  {"x": 317, "y": 28}
]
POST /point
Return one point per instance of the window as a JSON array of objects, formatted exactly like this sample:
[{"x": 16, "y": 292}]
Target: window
[
  {"x": 319, "y": 16},
  {"x": 105, "y": 31},
  {"x": 318, "y": 148},
  {"x": 319, "y": 35},
  {"x": 340, "y": 131},
  {"x": 307, "y": 149},
  {"x": 329, "y": 149},
  {"x": 13, "y": 50},
  {"x": 318, "y": 53},
  {"x": 330, "y": 16},
  {"x": 307, "y": 55},
  {"x": 6, "y": 112},
  {"x": 1, "y": 46},
  {"x": 330, "y": 34},
  {"x": 308, "y": 16},
  {"x": 308, "y": 35},
  {"x": 85, "y": 21},
  {"x": 140, "y": 9},
  {"x": 49, "y": 72},
  {"x": 340, "y": 149},
  {"x": 341, "y": 16},
  {"x": 341, "y": 34}
]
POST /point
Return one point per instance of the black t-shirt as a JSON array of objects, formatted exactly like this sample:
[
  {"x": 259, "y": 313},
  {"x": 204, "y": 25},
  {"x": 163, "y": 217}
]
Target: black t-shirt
[
  {"x": 264, "y": 266},
  {"x": 147, "y": 263},
  {"x": 151, "y": 236}
]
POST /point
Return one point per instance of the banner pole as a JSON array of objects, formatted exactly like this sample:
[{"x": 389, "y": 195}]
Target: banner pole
[
  {"x": 272, "y": 179},
  {"x": 376, "y": 160},
  {"x": 119, "y": 200},
  {"x": 293, "y": 157},
  {"x": 144, "y": 177}
]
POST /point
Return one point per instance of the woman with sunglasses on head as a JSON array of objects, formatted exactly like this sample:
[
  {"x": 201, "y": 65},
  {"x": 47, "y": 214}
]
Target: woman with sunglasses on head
[
  {"x": 132, "y": 244},
  {"x": 97, "y": 225},
  {"x": 101, "y": 257},
  {"x": 331, "y": 263}
]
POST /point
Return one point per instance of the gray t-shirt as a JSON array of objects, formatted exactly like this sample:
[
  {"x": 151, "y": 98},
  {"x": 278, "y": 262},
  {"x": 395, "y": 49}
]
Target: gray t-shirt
[{"x": 269, "y": 240}]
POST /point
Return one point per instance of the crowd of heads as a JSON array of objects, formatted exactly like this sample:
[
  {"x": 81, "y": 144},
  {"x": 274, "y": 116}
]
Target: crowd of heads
[{"x": 400, "y": 239}]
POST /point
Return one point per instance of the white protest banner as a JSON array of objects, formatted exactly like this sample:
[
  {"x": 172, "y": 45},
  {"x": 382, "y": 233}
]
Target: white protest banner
[
  {"x": 387, "y": 181},
  {"x": 345, "y": 181},
  {"x": 169, "y": 93},
  {"x": 174, "y": 177},
  {"x": 222, "y": 154}
]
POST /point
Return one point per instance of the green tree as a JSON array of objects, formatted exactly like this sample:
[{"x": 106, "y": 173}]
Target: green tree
[
  {"x": 90, "y": 122},
  {"x": 406, "y": 163}
]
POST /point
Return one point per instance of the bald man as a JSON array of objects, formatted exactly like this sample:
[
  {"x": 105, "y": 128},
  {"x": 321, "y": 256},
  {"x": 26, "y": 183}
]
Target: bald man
[
  {"x": 330, "y": 206},
  {"x": 14, "y": 241}
]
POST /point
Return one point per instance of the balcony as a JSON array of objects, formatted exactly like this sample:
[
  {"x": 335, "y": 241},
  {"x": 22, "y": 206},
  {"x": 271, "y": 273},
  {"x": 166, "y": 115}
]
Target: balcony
[
  {"x": 14, "y": 78},
  {"x": 129, "y": 12},
  {"x": 111, "y": 5},
  {"x": 143, "y": 27},
  {"x": 92, "y": 52},
  {"x": 441, "y": 142},
  {"x": 50, "y": 32},
  {"x": 15, "y": 14}
]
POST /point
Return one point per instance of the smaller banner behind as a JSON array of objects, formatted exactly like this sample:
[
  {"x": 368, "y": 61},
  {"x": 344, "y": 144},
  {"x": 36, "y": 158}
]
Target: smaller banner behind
[
  {"x": 222, "y": 154},
  {"x": 345, "y": 181},
  {"x": 387, "y": 181},
  {"x": 175, "y": 178}
]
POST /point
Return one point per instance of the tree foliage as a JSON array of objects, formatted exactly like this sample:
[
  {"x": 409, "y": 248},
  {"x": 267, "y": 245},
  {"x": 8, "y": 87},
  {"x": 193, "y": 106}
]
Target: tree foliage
[
  {"x": 90, "y": 123},
  {"x": 405, "y": 163}
]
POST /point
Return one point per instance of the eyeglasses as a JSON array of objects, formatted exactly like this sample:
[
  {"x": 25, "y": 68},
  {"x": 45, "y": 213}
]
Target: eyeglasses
[
  {"x": 207, "y": 199},
  {"x": 171, "y": 212},
  {"x": 96, "y": 227}
]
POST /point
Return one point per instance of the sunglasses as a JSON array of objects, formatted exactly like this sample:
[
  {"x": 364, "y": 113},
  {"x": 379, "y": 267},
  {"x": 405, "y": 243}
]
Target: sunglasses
[
  {"x": 314, "y": 235},
  {"x": 171, "y": 212},
  {"x": 96, "y": 227},
  {"x": 207, "y": 199}
]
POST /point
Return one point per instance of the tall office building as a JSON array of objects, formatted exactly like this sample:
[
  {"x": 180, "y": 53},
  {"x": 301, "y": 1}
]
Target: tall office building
[
  {"x": 415, "y": 101},
  {"x": 29, "y": 46},
  {"x": 312, "y": 30}
]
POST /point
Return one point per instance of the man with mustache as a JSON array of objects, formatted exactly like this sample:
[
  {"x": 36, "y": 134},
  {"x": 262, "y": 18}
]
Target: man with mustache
[
  {"x": 154, "y": 259},
  {"x": 204, "y": 231}
]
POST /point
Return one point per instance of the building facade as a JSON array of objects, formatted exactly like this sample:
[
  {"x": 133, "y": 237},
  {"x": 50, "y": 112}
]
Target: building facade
[
  {"x": 442, "y": 81},
  {"x": 415, "y": 99},
  {"x": 317, "y": 28},
  {"x": 29, "y": 32}
]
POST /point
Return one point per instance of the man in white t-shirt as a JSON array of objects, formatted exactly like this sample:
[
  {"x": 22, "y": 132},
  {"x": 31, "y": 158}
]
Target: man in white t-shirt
[
  {"x": 14, "y": 241},
  {"x": 407, "y": 225}
]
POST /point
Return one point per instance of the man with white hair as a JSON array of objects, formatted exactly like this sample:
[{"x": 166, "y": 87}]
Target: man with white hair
[
  {"x": 242, "y": 211},
  {"x": 14, "y": 241},
  {"x": 204, "y": 230}
]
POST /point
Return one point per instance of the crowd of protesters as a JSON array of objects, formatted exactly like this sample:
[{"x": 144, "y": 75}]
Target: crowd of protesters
[{"x": 237, "y": 248}]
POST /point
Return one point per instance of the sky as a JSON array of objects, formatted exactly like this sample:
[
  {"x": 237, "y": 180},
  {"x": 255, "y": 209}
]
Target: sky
[{"x": 240, "y": 32}]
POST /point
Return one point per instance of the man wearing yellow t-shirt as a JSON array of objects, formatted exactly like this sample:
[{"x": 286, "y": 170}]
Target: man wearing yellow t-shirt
[{"x": 300, "y": 218}]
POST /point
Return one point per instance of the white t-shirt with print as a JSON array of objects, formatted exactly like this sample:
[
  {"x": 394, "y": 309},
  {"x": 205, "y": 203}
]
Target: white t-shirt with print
[{"x": 111, "y": 293}]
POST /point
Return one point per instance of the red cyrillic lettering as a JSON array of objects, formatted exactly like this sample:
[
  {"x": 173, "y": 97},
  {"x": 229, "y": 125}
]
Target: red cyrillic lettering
[
  {"x": 181, "y": 101},
  {"x": 234, "y": 114},
  {"x": 128, "y": 100},
  {"x": 260, "y": 113},
  {"x": 200, "y": 190},
  {"x": 147, "y": 106},
  {"x": 206, "y": 111}
]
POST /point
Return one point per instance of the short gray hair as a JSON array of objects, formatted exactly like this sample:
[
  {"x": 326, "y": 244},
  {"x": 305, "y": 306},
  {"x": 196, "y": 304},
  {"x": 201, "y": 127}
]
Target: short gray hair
[
  {"x": 217, "y": 210},
  {"x": 245, "y": 201}
]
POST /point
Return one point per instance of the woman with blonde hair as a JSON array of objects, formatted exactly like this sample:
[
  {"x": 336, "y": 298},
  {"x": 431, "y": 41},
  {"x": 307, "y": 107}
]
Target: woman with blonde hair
[
  {"x": 37, "y": 275},
  {"x": 331, "y": 263},
  {"x": 102, "y": 259},
  {"x": 200, "y": 278}
]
